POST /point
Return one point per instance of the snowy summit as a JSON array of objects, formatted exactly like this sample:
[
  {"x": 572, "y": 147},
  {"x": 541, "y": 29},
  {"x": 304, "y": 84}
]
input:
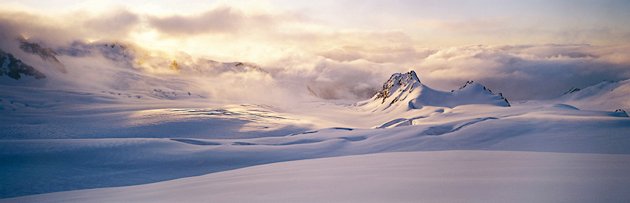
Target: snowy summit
[{"x": 405, "y": 91}]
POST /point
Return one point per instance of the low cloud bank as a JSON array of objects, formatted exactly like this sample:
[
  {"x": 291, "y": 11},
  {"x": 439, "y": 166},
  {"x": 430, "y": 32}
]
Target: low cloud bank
[{"x": 300, "y": 62}]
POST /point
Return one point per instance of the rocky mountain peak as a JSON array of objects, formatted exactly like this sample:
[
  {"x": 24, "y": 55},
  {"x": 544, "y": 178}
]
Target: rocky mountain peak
[
  {"x": 398, "y": 82},
  {"x": 404, "y": 91}
]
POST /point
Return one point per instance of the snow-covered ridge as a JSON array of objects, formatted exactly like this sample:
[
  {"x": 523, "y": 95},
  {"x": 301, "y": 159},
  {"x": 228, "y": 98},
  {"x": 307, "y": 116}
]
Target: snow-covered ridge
[
  {"x": 118, "y": 68},
  {"x": 606, "y": 95},
  {"x": 404, "y": 91},
  {"x": 128, "y": 55},
  {"x": 131, "y": 56}
]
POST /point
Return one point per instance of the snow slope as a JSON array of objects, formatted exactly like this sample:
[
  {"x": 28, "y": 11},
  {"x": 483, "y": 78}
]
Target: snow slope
[
  {"x": 49, "y": 165},
  {"x": 39, "y": 113},
  {"x": 59, "y": 140},
  {"x": 445, "y": 176},
  {"x": 607, "y": 95}
]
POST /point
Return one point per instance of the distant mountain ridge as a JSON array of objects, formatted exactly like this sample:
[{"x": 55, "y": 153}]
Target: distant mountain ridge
[
  {"x": 406, "y": 91},
  {"x": 45, "y": 53},
  {"x": 119, "y": 69}
]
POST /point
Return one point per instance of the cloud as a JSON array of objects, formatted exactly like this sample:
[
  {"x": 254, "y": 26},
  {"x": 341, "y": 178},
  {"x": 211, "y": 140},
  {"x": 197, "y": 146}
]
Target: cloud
[
  {"x": 58, "y": 30},
  {"x": 521, "y": 72},
  {"x": 349, "y": 80},
  {"x": 382, "y": 54},
  {"x": 16, "y": 23},
  {"x": 114, "y": 24},
  {"x": 219, "y": 20},
  {"x": 301, "y": 56},
  {"x": 526, "y": 72}
]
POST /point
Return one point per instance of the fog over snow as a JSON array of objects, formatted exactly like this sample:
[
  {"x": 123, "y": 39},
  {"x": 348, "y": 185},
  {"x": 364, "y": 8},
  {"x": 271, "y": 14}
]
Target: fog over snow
[
  {"x": 109, "y": 101},
  {"x": 340, "y": 62}
]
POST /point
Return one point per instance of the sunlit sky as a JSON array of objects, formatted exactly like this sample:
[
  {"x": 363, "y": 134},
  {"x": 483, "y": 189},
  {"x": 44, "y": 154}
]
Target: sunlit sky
[
  {"x": 254, "y": 28},
  {"x": 343, "y": 46}
]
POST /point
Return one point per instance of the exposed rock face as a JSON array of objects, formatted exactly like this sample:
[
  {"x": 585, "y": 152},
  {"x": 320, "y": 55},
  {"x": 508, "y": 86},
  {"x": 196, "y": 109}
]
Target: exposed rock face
[
  {"x": 123, "y": 54},
  {"x": 572, "y": 90},
  {"x": 406, "y": 81},
  {"x": 47, "y": 54},
  {"x": 15, "y": 68},
  {"x": 620, "y": 113}
]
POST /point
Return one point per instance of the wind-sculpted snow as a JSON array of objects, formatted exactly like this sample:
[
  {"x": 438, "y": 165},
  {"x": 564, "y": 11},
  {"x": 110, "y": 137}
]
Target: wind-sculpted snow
[
  {"x": 49, "y": 165},
  {"x": 445, "y": 176}
]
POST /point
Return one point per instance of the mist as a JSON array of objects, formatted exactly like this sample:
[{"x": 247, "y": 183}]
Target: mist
[{"x": 296, "y": 63}]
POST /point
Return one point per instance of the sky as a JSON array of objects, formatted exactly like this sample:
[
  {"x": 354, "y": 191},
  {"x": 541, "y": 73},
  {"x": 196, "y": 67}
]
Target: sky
[
  {"x": 446, "y": 41},
  {"x": 423, "y": 24}
]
